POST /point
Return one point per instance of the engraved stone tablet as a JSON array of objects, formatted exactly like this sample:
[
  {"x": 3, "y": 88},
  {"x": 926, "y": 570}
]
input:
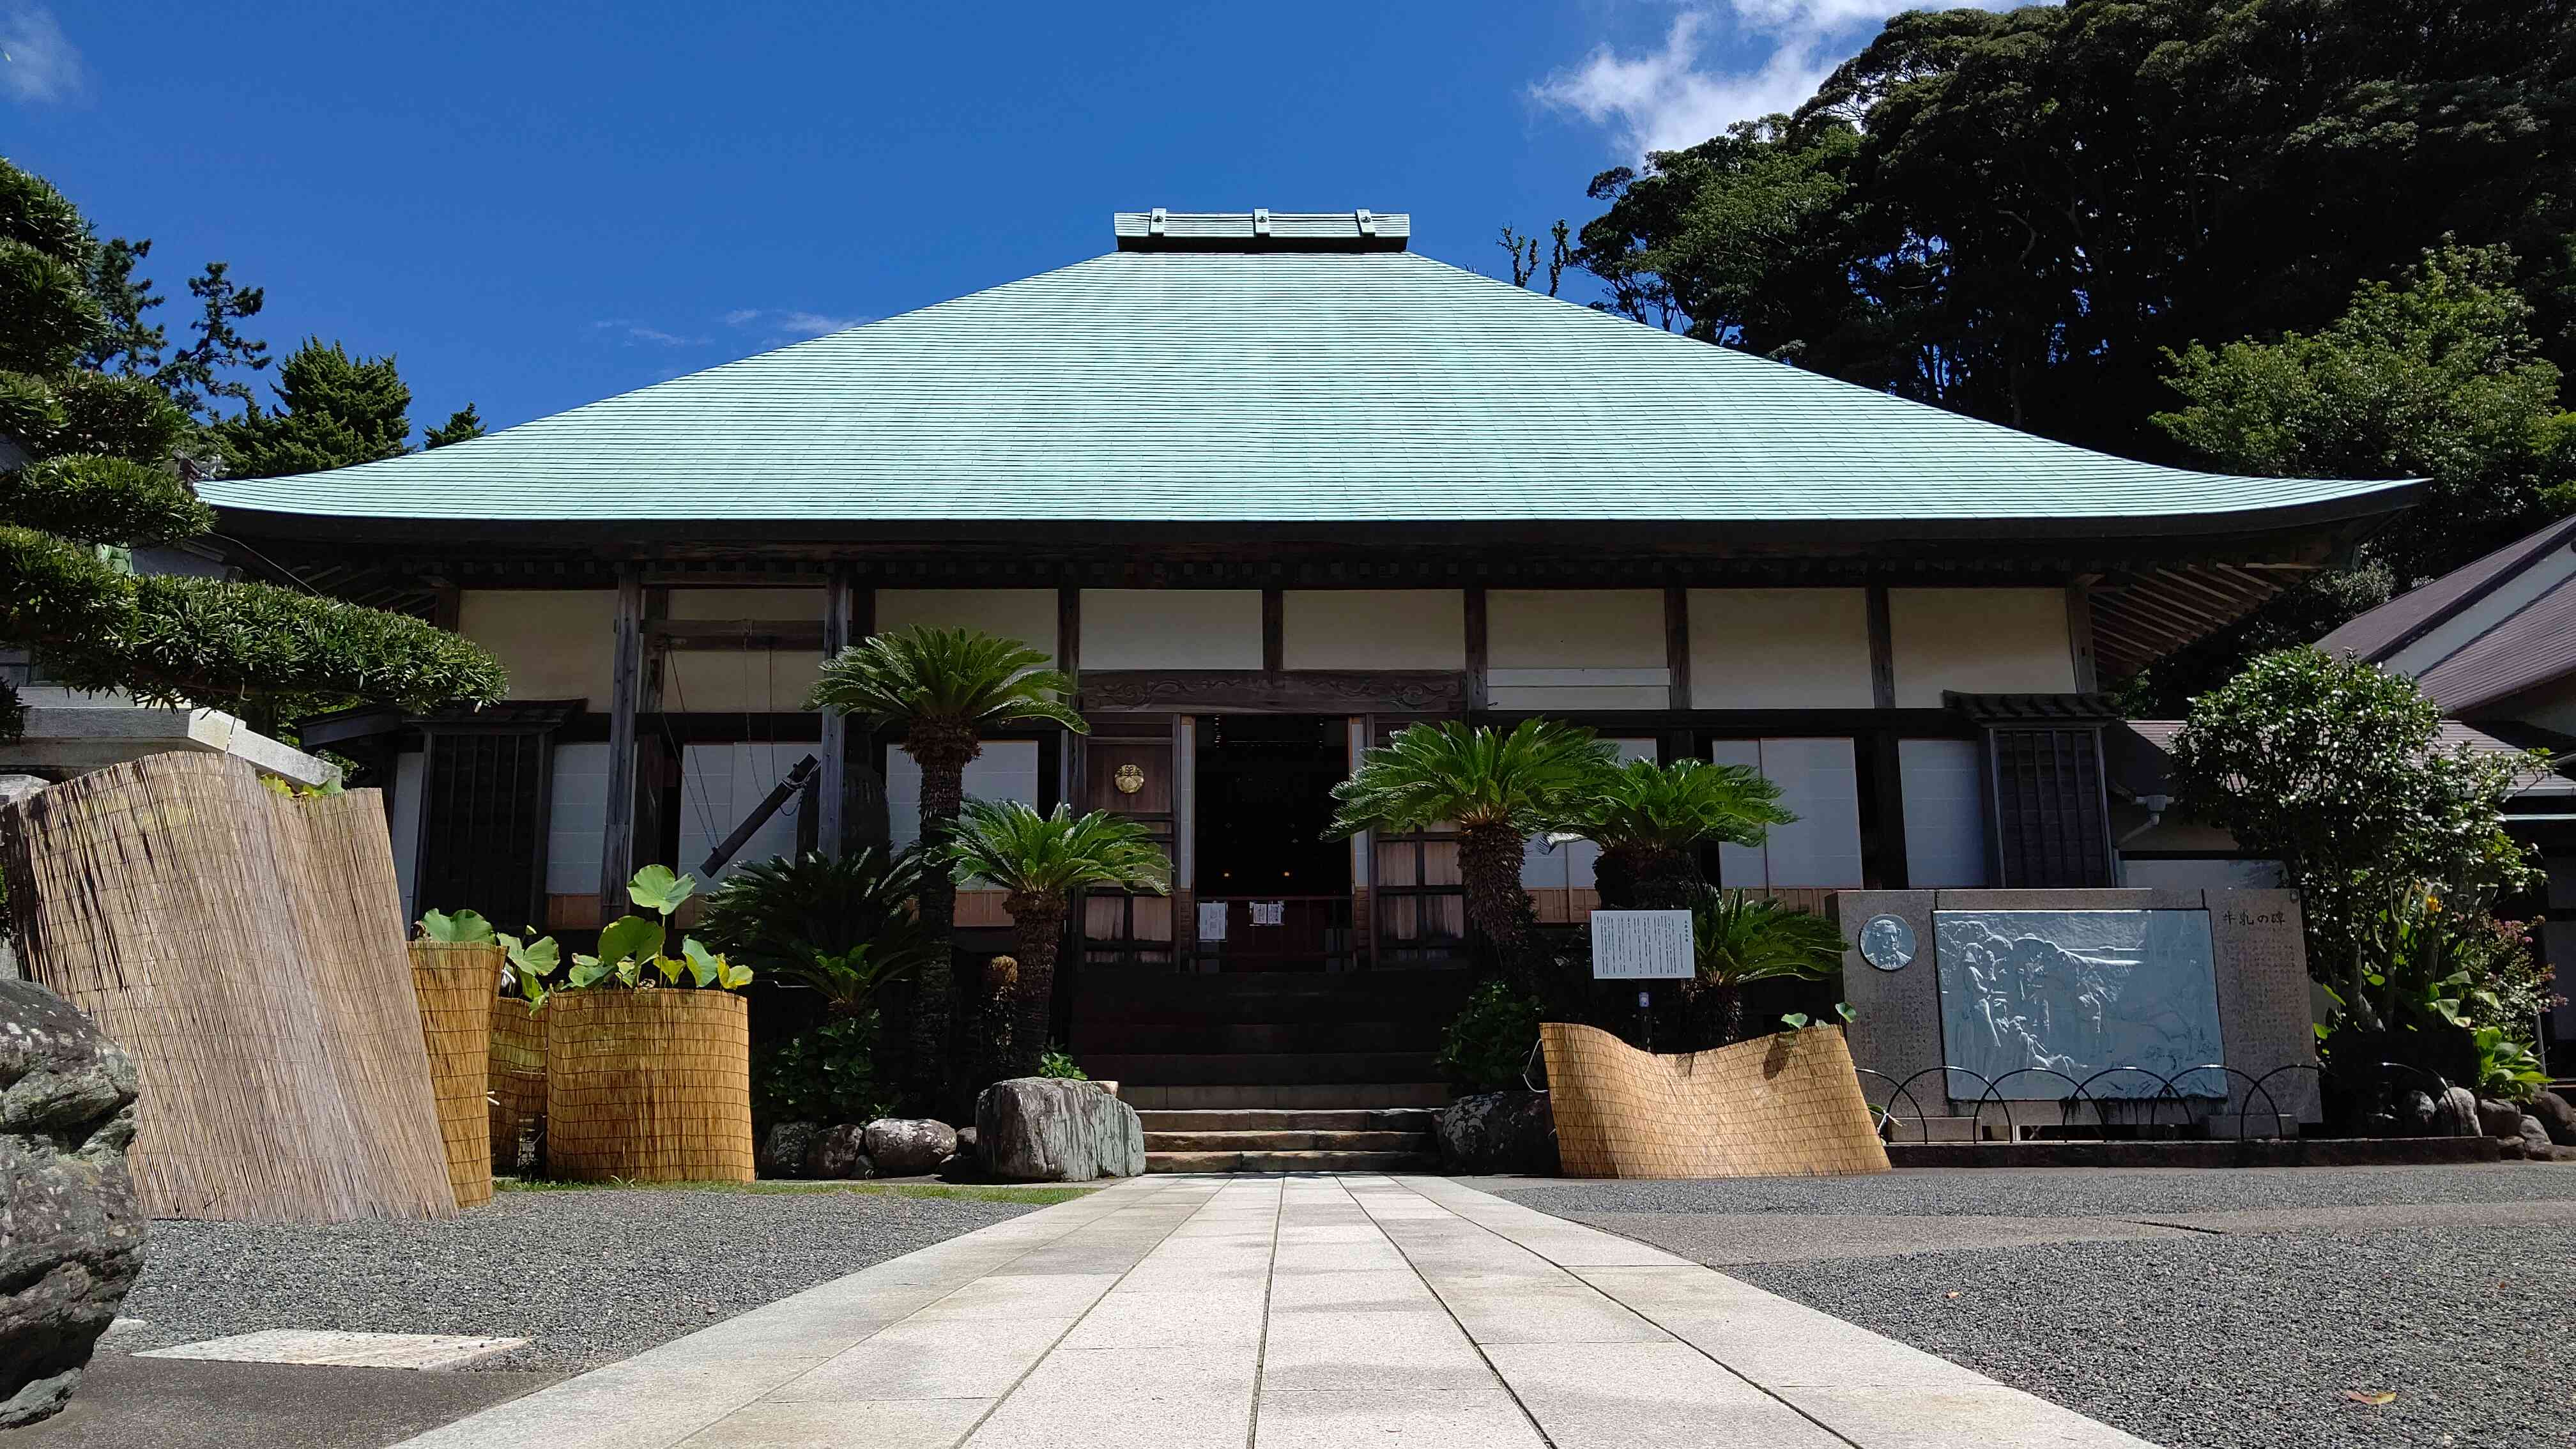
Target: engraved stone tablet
[
  {"x": 2075, "y": 993},
  {"x": 1887, "y": 943}
]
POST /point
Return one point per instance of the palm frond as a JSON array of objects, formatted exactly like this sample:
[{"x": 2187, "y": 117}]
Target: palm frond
[
  {"x": 958, "y": 676},
  {"x": 1431, "y": 774},
  {"x": 1023, "y": 852},
  {"x": 1741, "y": 938},
  {"x": 1677, "y": 806},
  {"x": 782, "y": 913}
]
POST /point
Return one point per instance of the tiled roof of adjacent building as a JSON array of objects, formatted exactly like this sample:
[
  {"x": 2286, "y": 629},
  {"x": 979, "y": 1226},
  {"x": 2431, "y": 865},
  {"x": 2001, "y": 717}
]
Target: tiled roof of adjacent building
[{"x": 1258, "y": 368}]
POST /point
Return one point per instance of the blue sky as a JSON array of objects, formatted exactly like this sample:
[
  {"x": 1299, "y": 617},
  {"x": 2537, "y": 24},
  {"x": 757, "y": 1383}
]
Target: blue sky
[{"x": 537, "y": 205}]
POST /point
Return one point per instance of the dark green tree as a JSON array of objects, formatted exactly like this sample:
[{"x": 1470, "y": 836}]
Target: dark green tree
[
  {"x": 99, "y": 473},
  {"x": 333, "y": 411},
  {"x": 462, "y": 425}
]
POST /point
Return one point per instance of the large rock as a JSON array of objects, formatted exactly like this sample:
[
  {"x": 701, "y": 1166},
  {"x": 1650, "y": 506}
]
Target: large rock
[
  {"x": 71, "y": 1231},
  {"x": 1046, "y": 1129},
  {"x": 2416, "y": 1111},
  {"x": 2535, "y": 1139},
  {"x": 1497, "y": 1132},
  {"x": 2456, "y": 1114},
  {"x": 2557, "y": 1117},
  {"x": 2499, "y": 1119},
  {"x": 784, "y": 1150},
  {"x": 840, "y": 1152},
  {"x": 905, "y": 1146}
]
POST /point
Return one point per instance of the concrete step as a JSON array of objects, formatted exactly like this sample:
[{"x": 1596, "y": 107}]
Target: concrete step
[
  {"x": 1287, "y": 1161},
  {"x": 1273, "y": 1096},
  {"x": 1255, "y": 1119},
  {"x": 1275, "y": 1141}
]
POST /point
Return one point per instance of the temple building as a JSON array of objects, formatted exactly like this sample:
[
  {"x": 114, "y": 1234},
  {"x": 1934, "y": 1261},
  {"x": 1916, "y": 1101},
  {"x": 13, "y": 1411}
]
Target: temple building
[{"x": 1272, "y": 486}]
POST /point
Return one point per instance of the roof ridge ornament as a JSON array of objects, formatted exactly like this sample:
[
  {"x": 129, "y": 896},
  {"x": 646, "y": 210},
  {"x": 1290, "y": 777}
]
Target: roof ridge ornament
[
  {"x": 1261, "y": 222},
  {"x": 1368, "y": 223},
  {"x": 1159, "y": 224},
  {"x": 1262, "y": 229}
]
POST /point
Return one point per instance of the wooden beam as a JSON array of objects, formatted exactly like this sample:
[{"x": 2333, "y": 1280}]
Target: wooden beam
[
  {"x": 831, "y": 824},
  {"x": 625, "y": 699},
  {"x": 1882, "y": 650},
  {"x": 1677, "y": 649},
  {"x": 1477, "y": 635},
  {"x": 2079, "y": 633},
  {"x": 739, "y": 634},
  {"x": 1274, "y": 630}
]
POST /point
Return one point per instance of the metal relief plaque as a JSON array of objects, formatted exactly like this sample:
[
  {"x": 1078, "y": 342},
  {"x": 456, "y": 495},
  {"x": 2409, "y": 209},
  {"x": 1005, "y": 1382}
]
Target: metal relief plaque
[
  {"x": 2075, "y": 993},
  {"x": 1887, "y": 943}
]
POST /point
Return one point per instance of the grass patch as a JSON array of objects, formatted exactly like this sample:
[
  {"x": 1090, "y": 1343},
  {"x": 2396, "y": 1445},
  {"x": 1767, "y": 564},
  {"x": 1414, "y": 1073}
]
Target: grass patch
[{"x": 1034, "y": 1195}]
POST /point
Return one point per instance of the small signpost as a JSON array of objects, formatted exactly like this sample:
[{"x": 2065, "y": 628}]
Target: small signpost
[{"x": 1644, "y": 947}]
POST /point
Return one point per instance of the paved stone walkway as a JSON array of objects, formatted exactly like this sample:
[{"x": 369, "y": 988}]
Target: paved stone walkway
[{"x": 1281, "y": 1313}]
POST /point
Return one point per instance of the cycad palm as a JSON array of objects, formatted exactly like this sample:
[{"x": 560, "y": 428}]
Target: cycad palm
[
  {"x": 1740, "y": 939},
  {"x": 944, "y": 687},
  {"x": 1039, "y": 861},
  {"x": 844, "y": 927},
  {"x": 1497, "y": 788},
  {"x": 1650, "y": 821}
]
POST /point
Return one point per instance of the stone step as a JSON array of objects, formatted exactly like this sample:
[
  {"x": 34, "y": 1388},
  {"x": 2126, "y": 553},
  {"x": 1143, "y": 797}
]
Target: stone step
[
  {"x": 1287, "y": 1161},
  {"x": 1274, "y": 1096},
  {"x": 1257, "y": 1119},
  {"x": 1344, "y": 1034},
  {"x": 1275, "y": 1141},
  {"x": 1258, "y": 1068}
]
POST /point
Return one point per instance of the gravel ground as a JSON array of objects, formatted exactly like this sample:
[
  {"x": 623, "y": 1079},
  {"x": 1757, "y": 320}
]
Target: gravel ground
[
  {"x": 2201, "y": 1333},
  {"x": 587, "y": 1277}
]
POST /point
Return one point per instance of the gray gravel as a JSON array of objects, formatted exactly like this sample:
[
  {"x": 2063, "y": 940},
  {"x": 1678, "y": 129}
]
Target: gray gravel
[
  {"x": 2238, "y": 1320},
  {"x": 587, "y": 1277}
]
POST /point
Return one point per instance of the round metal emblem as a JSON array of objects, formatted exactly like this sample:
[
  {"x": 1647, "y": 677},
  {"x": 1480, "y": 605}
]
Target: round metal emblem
[
  {"x": 1887, "y": 943},
  {"x": 1129, "y": 779}
]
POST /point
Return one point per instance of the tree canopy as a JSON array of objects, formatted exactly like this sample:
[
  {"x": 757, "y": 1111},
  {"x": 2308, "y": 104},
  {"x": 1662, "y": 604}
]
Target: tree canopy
[{"x": 97, "y": 427}]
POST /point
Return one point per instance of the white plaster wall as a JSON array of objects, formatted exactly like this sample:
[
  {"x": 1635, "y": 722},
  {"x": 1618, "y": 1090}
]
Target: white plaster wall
[
  {"x": 556, "y": 643},
  {"x": 402, "y": 826},
  {"x": 758, "y": 681},
  {"x": 1006, "y": 770},
  {"x": 1373, "y": 629},
  {"x": 1576, "y": 649},
  {"x": 1171, "y": 628},
  {"x": 1820, "y": 784},
  {"x": 577, "y": 818},
  {"x": 1780, "y": 649},
  {"x": 802, "y": 605},
  {"x": 1978, "y": 641},
  {"x": 1028, "y": 615},
  {"x": 719, "y": 786},
  {"x": 1945, "y": 814},
  {"x": 1569, "y": 866}
]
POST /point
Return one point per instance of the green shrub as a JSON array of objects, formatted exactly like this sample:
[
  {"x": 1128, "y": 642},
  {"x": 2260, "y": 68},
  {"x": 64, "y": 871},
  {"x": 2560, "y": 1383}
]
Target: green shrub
[
  {"x": 1487, "y": 1045},
  {"x": 1056, "y": 1062},
  {"x": 823, "y": 1074}
]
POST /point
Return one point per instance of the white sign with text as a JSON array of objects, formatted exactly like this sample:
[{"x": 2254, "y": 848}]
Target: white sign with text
[{"x": 1642, "y": 946}]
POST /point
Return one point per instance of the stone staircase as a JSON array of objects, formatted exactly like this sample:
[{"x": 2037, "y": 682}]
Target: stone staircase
[{"x": 1362, "y": 1139}]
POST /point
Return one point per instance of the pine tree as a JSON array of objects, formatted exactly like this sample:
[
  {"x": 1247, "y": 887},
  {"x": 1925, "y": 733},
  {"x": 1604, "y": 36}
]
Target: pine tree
[
  {"x": 95, "y": 471},
  {"x": 333, "y": 411},
  {"x": 463, "y": 425}
]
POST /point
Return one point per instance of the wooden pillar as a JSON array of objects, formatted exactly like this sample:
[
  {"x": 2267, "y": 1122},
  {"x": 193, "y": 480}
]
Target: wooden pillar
[
  {"x": 1476, "y": 650},
  {"x": 1677, "y": 649},
  {"x": 1882, "y": 650},
  {"x": 2079, "y": 631},
  {"x": 625, "y": 695},
  {"x": 831, "y": 823}
]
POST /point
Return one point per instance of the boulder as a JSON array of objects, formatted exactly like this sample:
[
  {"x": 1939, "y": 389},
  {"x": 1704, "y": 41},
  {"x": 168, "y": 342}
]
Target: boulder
[
  {"x": 71, "y": 1230},
  {"x": 840, "y": 1152},
  {"x": 784, "y": 1150},
  {"x": 2455, "y": 1114},
  {"x": 2556, "y": 1116},
  {"x": 905, "y": 1146},
  {"x": 2499, "y": 1119},
  {"x": 1046, "y": 1129},
  {"x": 1497, "y": 1132},
  {"x": 2415, "y": 1113},
  {"x": 2535, "y": 1140}
]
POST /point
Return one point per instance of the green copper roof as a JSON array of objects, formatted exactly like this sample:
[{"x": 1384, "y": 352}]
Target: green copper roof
[{"x": 1281, "y": 385}]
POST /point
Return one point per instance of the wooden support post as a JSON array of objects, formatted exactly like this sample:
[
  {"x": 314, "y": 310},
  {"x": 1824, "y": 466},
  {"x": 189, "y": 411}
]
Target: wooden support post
[
  {"x": 1882, "y": 650},
  {"x": 1476, "y": 651},
  {"x": 831, "y": 827},
  {"x": 1677, "y": 650},
  {"x": 2079, "y": 631},
  {"x": 625, "y": 696},
  {"x": 1274, "y": 630}
]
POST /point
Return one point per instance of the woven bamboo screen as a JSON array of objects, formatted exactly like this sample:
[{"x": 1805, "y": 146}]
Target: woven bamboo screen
[
  {"x": 247, "y": 949},
  {"x": 652, "y": 1085},
  {"x": 1788, "y": 1104},
  {"x": 455, "y": 983},
  {"x": 517, "y": 1077}
]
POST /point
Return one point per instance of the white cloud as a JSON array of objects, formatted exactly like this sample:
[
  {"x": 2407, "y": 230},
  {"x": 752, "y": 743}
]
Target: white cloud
[
  {"x": 790, "y": 321},
  {"x": 37, "y": 61},
  {"x": 1680, "y": 95},
  {"x": 640, "y": 332}
]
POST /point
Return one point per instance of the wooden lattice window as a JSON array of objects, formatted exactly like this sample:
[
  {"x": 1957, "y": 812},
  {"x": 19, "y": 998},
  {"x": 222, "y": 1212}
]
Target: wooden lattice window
[
  {"x": 485, "y": 793},
  {"x": 2051, "y": 821}
]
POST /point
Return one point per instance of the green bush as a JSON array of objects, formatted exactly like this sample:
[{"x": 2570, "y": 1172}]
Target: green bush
[
  {"x": 1487, "y": 1045},
  {"x": 823, "y": 1074},
  {"x": 1055, "y": 1061}
]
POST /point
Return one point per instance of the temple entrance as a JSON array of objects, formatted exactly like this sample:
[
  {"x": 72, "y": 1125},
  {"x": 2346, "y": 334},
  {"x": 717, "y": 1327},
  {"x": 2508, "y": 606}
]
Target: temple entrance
[{"x": 1273, "y": 894}]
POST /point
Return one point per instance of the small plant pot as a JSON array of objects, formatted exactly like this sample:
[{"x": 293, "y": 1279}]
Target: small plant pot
[
  {"x": 455, "y": 982},
  {"x": 649, "y": 1086}
]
